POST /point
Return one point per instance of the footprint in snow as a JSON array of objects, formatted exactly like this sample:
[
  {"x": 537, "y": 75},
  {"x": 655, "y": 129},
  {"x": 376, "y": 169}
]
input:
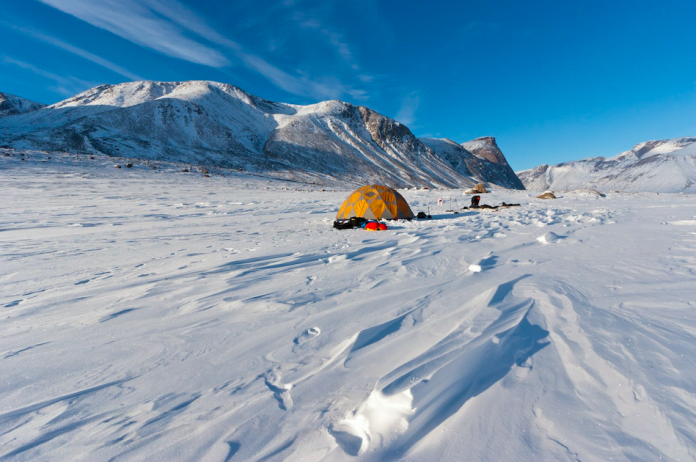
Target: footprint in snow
[
  {"x": 281, "y": 391},
  {"x": 525, "y": 262},
  {"x": 307, "y": 335}
]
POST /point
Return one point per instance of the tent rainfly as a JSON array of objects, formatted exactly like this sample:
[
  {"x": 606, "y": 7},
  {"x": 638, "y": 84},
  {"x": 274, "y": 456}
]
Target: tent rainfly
[{"x": 375, "y": 202}]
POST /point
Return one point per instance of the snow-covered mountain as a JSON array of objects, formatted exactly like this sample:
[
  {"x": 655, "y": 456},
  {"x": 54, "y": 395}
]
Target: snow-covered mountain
[
  {"x": 218, "y": 124},
  {"x": 12, "y": 105},
  {"x": 480, "y": 158},
  {"x": 652, "y": 166}
]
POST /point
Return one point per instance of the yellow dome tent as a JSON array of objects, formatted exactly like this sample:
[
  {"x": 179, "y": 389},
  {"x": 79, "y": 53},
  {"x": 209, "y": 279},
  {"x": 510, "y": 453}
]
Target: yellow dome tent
[{"x": 375, "y": 202}]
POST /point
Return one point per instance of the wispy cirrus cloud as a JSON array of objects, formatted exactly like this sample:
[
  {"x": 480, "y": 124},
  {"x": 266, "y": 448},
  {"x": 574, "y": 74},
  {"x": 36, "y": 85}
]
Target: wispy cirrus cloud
[
  {"x": 298, "y": 85},
  {"x": 175, "y": 30},
  {"x": 139, "y": 23},
  {"x": 64, "y": 85},
  {"x": 407, "y": 111},
  {"x": 56, "y": 42},
  {"x": 333, "y": 37}
]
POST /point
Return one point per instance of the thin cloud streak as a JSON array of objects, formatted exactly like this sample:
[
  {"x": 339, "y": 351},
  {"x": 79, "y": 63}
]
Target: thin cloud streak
[
  {"x": 188, "y": 19},
  {"x": 76, "y": 51},
  {"x": 407, "y": 112},
  {"x": 161, "y": 25},
  {"x": 302, "y": 86},
  {"x": 335, "y": 39},
  {"x": 137, "y": 23},
  {"x": 67, "y": 86}
]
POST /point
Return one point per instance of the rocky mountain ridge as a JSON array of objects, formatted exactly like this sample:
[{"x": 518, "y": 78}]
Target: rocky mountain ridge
[
  {"x": 480, "y": 158},
  {"x": 651, "y": 166},
  {"x": 217, "y": 124},
  {"x": 12, "y": 105}
]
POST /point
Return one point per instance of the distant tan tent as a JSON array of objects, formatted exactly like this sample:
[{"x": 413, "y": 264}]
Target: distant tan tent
[{"x": 375, "y": 202}]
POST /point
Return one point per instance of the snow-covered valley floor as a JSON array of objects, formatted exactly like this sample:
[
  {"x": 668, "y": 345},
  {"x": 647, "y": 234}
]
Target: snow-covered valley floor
[{"x": 160, "y": 315}]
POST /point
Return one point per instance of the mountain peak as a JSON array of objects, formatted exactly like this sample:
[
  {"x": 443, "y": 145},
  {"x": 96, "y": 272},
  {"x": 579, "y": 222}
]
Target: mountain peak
[
  {"x": 13, "y": 105},
  {"x": 651, "y": 166},
  {"x": 487, "y": 139},
  {"x": 219, "y": 124},
  {"x": 134, "y": 93},
  {"x": 486, "y": 148},
  {"x": 474, "y": 158}
]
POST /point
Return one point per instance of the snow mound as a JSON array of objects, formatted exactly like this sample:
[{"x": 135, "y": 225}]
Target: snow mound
[
  {"x": 587, "y": 192},
  {"x": 550, "y": 238},
  {"x": 380, "y": 417}
]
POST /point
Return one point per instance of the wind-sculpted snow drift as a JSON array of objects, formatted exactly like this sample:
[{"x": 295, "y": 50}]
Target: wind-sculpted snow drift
[
  {"x": 652, "y": 166},
  {"x": 220, "y": 125},
  {"x": 162, "y": 315}
]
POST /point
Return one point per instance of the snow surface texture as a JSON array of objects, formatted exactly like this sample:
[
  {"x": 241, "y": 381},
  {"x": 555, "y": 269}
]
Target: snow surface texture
[
  {"x": 652, "y": 166},
  {"x": 220, "y": 125},
  {"x": 161, "y": 315},
  {"x": 12, "y": 105}
]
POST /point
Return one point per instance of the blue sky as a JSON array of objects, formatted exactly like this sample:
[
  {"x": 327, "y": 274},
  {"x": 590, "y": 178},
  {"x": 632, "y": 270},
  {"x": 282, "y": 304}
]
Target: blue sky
[{"x": 551, "y": 80}]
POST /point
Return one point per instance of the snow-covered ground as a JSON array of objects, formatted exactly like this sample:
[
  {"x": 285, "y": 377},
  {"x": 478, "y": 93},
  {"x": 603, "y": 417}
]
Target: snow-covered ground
[{"x": 161, "y": 315}]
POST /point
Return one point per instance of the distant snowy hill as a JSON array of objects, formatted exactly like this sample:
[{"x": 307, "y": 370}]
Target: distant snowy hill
[
  {"x": 12, "y": 105},
  {"x": 652, "y": 166},
  {"x": 480, "y": 158},
  {"x": 218, "y": 124}
]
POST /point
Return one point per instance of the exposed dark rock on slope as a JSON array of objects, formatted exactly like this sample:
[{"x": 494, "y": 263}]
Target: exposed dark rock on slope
[
  {"x": 480, "y": 158},
  {"x": 218, "y": 124}
]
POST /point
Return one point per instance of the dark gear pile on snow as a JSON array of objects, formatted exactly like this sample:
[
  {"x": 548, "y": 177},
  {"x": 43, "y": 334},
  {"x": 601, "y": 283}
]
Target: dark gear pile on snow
[
  {"x": 476, "y": 205},
  {"x": 350, "y": 223}
]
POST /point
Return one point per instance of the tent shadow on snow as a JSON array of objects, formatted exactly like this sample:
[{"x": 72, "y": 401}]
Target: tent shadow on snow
[
  {"x": 447, "y": 216},
  {"x": 477, "y": 366},
  {"x": 451, "y": 216}
]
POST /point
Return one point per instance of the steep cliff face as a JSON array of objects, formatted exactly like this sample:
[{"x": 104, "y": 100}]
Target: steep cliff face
[
  {"x": 487, "y": 164},
  {"x": 652, "y": 166},
  {"x": 356, "y": 143},
  {"x": 13, "y": 105},
  {"x": 218, "y": 124},
  {"x": 486, "y": 147},
  {"x": 384, "y": 131}
]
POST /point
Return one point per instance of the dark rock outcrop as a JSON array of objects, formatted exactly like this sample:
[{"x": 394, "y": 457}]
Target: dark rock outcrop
[
  {"x": 210, "y": 123},
  {"x": 466, "y": 162},
  {"x": 486, "y": 147}
]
